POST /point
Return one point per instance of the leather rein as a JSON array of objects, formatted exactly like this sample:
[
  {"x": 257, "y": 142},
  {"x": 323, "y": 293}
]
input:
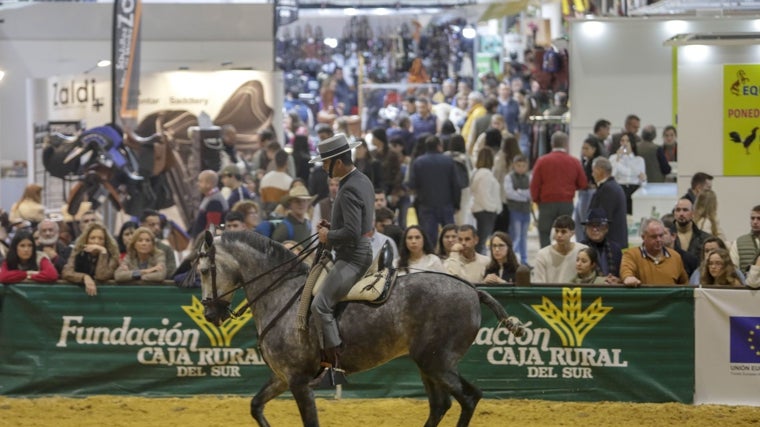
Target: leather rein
[{"x": 216, "y": 297}]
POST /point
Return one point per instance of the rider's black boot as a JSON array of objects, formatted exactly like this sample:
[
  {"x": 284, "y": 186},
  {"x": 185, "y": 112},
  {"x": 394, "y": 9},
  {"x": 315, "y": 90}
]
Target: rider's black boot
[{"x": 329, "y": 374}]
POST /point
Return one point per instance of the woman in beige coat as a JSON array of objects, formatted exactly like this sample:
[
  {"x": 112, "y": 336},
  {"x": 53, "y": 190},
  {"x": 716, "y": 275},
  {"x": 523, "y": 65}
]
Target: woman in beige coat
[
  {"x": 143, "y": 261},
  {"x": 95, "y": 257}
]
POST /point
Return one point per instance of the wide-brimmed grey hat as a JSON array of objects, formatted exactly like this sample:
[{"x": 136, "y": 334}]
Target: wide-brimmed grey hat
[{"x": 333, "y": 146}]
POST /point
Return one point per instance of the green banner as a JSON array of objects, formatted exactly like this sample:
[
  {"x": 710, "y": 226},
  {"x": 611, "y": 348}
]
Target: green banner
[
  {"x": 580, "y": 344},
  {"x": 589, "y": 344}
]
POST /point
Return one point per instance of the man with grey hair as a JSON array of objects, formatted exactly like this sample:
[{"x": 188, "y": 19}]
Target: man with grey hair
[
  {"x": 556, "y": 177},
  {"x": 213, "y": 205},
  {"x": 652, "y": 263},
  {"x": 49, "y": 243},
  {"x": 657, "y": 166},
  {"x": 610, "y": 196}
]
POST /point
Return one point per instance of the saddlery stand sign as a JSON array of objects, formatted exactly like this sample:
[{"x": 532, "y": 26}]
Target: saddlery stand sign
[{"x": 580, "y": 344}]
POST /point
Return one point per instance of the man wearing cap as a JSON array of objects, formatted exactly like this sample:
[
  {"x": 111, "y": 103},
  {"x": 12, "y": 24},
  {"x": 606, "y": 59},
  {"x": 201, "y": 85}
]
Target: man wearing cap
[
  {"x": 348, "y": 235},
  {"x": 295, "y": 225},
  {"x": 596, "y": 227},
  {"x": 232, "y": 180}
]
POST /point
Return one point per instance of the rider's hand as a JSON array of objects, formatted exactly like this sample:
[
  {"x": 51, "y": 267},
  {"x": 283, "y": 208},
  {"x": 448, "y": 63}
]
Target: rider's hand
[
  {"x": 323, "y": 234},
  {"x": 324, "y": 224}
]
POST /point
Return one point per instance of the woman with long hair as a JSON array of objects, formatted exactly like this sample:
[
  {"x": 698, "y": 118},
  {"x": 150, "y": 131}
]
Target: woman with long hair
[
  {"x": 416, "y": 252},
  {"x": 29, "y": 207},
  {"x": 503, "y": 265},
  {"x": 95, "y": 257},
  {"x": 143, "y": 261},
  {"x": 587, "y": 268},
  {"x": 23, "y": 262},
  {"x": 706, "y": 213},
  {"x": 126, "y": 232},
  {"x": 629, "y": 169},
  {"x": 670, "y": 143},
  {"x": 718, "y": 269},
  {"x": 485, "y": 206},
  {"x": 446, "y": 239}
]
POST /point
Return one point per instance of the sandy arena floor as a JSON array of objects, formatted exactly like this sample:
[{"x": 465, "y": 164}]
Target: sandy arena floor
[{"x": 212, "y": 411}]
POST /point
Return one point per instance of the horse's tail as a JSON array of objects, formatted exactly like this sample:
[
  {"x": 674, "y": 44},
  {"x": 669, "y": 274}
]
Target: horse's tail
[{"x": 512, "y": 324}]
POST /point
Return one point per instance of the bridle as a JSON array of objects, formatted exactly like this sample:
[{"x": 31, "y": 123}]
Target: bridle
[{"x": 216, "y": 298}]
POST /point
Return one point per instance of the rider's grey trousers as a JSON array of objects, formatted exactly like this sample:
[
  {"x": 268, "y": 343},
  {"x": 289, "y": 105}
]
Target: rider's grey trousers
[{"x": 348, "y": 268}]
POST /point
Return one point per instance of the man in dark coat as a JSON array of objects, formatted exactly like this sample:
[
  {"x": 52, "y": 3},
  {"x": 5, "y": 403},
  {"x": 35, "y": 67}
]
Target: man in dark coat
[
  {"x": 348, "y": 235},
  {"x": 609, "y": 196}
]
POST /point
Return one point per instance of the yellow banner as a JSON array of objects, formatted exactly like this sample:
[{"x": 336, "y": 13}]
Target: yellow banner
[{"x": 741, "y": 120}]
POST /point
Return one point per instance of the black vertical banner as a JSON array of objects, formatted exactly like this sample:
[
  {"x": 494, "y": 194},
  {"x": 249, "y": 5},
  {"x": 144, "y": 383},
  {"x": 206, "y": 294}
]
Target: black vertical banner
[{"x": 125, "y": 71}]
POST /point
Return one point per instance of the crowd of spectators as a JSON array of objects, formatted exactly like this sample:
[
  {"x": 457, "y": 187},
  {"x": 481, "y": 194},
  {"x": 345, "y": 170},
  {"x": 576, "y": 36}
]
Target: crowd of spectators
[{"x": 454, "y": 194}]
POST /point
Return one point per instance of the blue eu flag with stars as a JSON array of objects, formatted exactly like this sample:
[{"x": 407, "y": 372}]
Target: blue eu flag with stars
[{"x": 745, "y": 339}]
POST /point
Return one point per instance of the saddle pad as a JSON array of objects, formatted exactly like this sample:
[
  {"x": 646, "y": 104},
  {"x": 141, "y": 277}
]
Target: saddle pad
[{"x": 368, "y": 288}]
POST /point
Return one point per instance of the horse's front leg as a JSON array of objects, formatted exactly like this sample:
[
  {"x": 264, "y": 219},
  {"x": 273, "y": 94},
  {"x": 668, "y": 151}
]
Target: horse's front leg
[
  {"x": 274, "y": 387},
  {"x": 304, "y": 396}
]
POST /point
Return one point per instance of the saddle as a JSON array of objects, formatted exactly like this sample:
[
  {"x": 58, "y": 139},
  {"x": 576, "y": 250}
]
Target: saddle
[{"x": 375, "y": 285}]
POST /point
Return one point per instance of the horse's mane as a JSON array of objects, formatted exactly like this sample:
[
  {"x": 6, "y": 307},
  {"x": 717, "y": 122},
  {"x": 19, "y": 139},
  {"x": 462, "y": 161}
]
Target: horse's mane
[{"x": 273, "y": 250}]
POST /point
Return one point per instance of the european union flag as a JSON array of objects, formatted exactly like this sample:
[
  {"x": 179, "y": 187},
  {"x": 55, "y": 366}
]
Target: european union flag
[{"x": 745, "y": 339}]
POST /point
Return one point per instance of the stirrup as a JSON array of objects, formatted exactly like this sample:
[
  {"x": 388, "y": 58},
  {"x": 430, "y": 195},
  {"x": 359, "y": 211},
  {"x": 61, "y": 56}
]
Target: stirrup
[{"x": 328, "y": 377}]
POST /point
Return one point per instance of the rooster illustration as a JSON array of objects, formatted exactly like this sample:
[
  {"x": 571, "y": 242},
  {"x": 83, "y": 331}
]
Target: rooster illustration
[
  {"x": 747, "y": 141},
  {"x": 741, "y": 78}
]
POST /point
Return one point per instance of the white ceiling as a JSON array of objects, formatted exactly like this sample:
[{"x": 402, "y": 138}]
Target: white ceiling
[{"x": 52, "y": 38}]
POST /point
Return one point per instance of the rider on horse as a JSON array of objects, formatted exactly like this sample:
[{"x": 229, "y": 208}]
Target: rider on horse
[{"x": 348, "y": 235}]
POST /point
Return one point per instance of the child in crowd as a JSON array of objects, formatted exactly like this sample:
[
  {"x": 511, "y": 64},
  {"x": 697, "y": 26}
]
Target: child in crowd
[{"x": 517, "y": 189}]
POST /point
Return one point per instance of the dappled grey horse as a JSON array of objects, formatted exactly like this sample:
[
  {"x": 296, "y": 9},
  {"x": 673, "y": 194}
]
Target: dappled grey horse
[{"x": 432, "y": 317}]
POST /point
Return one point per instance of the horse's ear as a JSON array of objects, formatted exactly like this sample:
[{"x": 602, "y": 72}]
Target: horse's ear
[
  {"x": 208, "y": 236},
  {"x": 211, "y": 229}
]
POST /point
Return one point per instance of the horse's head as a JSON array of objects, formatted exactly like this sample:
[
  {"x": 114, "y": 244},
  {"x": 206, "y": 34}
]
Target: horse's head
[{"x": 216, "y": 280}]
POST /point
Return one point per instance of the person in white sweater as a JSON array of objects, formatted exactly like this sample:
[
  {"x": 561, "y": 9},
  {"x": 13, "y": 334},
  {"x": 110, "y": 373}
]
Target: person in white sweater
[
  {"x": 485, "y": 204},
  {"x": 556, "y": 263}
]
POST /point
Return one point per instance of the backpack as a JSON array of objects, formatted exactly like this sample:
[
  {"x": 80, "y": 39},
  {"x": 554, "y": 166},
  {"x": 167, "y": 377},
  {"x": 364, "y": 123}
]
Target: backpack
[
  {"x": 463, "y": 178},
  {"x": 552, "y": 61}
]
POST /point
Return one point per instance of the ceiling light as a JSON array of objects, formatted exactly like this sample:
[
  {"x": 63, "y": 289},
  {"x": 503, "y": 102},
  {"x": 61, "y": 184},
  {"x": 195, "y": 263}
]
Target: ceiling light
[
  {"x": 2, "y": 74},
  {"x": 350, "y": 11},
  {"x": 104, "y": 63},
  {"x": 468, "y": 32}
]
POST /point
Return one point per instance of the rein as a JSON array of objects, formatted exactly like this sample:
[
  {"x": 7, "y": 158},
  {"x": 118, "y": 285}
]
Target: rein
[{"x": 308, "y": 249}]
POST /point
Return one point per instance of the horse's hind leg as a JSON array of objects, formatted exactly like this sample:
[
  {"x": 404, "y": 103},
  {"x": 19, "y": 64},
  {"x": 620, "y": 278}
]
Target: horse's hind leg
[
  {"x": 465, "y": 393},
  {"x": 438, "y": 398},
  {"x": 271, "y": 389}
]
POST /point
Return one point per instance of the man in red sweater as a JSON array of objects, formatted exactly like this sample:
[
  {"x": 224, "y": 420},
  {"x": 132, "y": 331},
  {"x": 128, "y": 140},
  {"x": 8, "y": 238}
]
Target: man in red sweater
[{"x": 556, "y": 177}]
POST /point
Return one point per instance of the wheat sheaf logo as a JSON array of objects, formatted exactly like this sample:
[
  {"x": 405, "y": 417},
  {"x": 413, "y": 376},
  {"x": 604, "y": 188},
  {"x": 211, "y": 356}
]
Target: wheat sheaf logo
[
  {"x": 219, "y": 336},
  {"x": 571, "y": 323}
]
